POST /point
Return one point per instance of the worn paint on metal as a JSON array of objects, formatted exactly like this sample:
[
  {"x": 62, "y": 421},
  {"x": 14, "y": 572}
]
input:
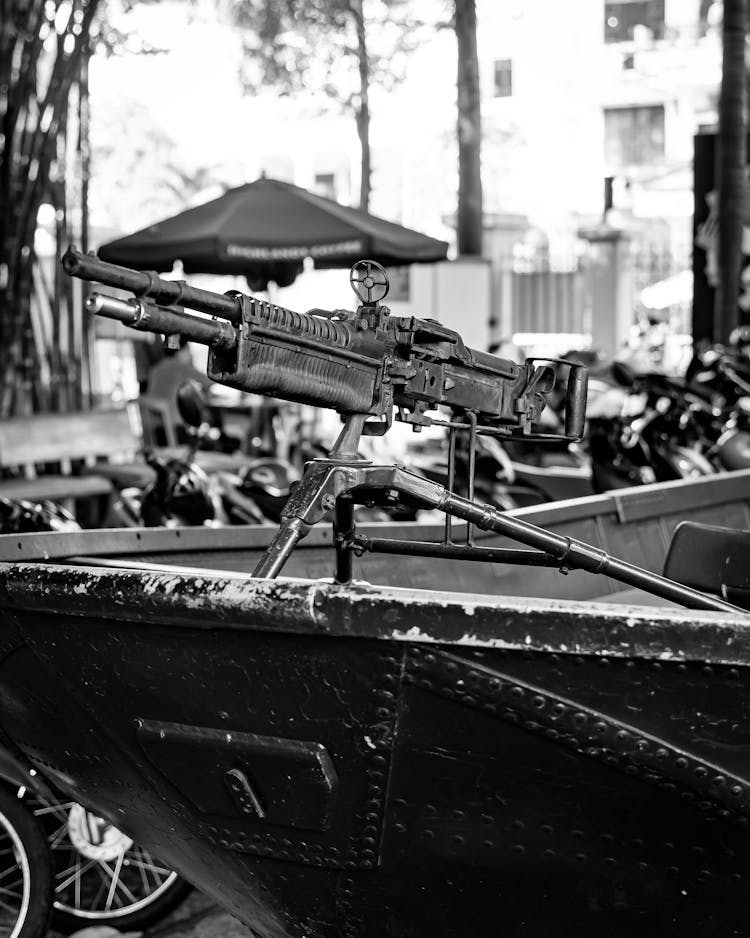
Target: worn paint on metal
[{"x": 377, "y": 612}]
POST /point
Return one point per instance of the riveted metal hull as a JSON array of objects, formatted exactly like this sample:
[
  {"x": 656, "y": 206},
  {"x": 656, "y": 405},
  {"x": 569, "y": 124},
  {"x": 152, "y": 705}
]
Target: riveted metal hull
[{"x": 371, "y": 761}]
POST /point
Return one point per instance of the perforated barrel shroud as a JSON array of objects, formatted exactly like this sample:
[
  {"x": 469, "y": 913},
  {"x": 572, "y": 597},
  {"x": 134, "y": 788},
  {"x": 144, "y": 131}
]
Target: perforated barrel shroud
[{"x": 301, "y": 357}]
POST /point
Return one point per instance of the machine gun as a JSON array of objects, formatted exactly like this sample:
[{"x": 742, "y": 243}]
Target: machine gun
[
  {"x": 367, "y": 364},
  {"x": 364, "y": 363}
]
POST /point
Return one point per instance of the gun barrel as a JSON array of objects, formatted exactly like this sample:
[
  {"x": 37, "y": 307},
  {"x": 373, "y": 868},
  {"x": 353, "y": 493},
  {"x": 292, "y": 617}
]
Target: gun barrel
[
  {"x": 138, "y": 314},
  {"x": 147, "y": 283}
]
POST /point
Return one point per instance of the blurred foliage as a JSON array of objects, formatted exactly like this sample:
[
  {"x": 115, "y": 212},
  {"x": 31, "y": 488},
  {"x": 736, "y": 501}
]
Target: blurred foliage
[
  {"x": 43, "y": 48},
  {"x": 333, "y": 48},
  {"x": 162, "y": 177},
  {"x": 309, "y": 45}
]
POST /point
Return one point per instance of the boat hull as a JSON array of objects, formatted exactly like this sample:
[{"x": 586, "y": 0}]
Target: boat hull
[
  {"x": 399, "y": 761},
  {"x": 364, "y": 761}
]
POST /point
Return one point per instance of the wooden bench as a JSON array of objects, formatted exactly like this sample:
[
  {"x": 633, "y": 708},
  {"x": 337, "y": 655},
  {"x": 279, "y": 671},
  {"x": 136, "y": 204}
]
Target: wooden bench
[{"x": 59, "y": 456}]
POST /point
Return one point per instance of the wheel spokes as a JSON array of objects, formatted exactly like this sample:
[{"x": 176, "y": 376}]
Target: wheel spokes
[
  {"x": 97, "y": 887},
  {"x": 78, "y": 872},
  {"x": 115, "y": 876},
  {"x": 156, "y": 871},
  {"x": 59, "y": 835},
  {"x": 61, "y": 809}
]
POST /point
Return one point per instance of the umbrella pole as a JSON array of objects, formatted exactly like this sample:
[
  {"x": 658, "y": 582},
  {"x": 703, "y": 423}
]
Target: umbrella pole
[{"x": 272, "y": 292}]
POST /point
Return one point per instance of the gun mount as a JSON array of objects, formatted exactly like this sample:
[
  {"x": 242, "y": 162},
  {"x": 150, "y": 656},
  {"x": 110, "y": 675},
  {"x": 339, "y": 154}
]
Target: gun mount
[{"x": 367, "y": 364}]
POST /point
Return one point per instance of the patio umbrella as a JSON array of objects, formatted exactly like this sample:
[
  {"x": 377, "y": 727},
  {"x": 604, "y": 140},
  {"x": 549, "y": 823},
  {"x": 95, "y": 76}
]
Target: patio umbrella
[{"x": 264, "y": 230}]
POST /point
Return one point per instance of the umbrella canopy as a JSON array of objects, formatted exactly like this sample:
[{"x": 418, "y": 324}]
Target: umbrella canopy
[{"x": 264, "y": 230}]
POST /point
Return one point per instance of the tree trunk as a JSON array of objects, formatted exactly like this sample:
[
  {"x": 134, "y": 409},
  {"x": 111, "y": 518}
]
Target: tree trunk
[
  {"x": 31, "y": 119},
  {"x": 469, "y": 228},
  {"x": 84, "y": 154},
  {"x": 730, "y": 168},
  {"x": 363, "y": 110}
]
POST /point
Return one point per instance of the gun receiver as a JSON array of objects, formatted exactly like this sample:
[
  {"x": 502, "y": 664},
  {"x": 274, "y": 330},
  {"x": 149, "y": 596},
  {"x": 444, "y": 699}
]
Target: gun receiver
[{"x": 364, "y": 362}]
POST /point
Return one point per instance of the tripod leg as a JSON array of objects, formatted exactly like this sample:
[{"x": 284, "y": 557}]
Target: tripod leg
[
  {"x": 289, "y": 534},
  {"x": 568, "y": 550},
  {"x": 313, "y": 497}
]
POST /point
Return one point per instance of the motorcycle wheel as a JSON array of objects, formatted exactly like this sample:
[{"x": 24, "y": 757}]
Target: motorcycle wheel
[
  {"x": 100, "y": 877},
  {"x": 25, "y": 875}
]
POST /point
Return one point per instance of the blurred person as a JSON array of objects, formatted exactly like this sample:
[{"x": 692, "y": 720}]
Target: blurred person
[
  {"x": 164, "y": 379},
  {"x": 148, "y": 352}
]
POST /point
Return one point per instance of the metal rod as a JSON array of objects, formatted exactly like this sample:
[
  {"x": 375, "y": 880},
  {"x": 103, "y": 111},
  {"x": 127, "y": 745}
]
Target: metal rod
[
  {"x": 381, "y": 545},
  {"x": 451, "y": 478},
  {"x": 147, "y": 317},
  {"x": 343, "y": 534},
  {"x": 147, "y": 283},
  {"x": 307, "y": 506},
  {"x": 277, "y": 553},
  {"x": 347, "y": 443},
  {"x": 84, "y": 151},
  {"x": 577, "y": 554},
  {"x": 472, "y": 419}
]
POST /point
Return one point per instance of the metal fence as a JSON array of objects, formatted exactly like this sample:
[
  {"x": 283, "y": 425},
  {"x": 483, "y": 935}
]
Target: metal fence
[
  {"x": 537, "y": 297},
  {"x": 548, "y": 301}
]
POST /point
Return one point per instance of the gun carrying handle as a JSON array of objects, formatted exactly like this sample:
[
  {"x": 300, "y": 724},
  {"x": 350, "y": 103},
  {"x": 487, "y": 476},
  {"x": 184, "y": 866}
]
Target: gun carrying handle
[{"x": 575, "y": 401}]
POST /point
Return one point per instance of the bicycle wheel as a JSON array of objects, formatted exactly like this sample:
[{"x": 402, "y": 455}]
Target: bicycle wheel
[{"x": 25, "y": 874}]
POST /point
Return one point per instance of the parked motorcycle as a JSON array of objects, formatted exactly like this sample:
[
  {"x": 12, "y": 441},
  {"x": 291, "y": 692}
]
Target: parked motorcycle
[
  {"x": 721, "y": 373},
  {"x": 723, "y": 376},
  {"x": 509, "y": 475},
  {"x": 180, "y": 491},
  {"x": 257, "y": 492},
  {"x": 253, "y": 493},
  {"x": 19, "y": 516},
  {"x": 493, "y": 473},
  {"x": 65, "y": 866},
  {"x": 266, "y": 483},
  {"x": 25, "y": 869},
  {"x": 99, "y": 875},
  {"x": 58, "y": 861},
  {"x": 657, "y": 429}
]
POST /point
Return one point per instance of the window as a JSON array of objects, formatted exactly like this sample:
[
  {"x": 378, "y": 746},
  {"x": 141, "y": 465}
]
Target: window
[
  {"x": 622, "y": 17},
  {"x": 325, "y": 184},
  {"x": 633, "y": 136},
  {"x": 503, "y": 78}
]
